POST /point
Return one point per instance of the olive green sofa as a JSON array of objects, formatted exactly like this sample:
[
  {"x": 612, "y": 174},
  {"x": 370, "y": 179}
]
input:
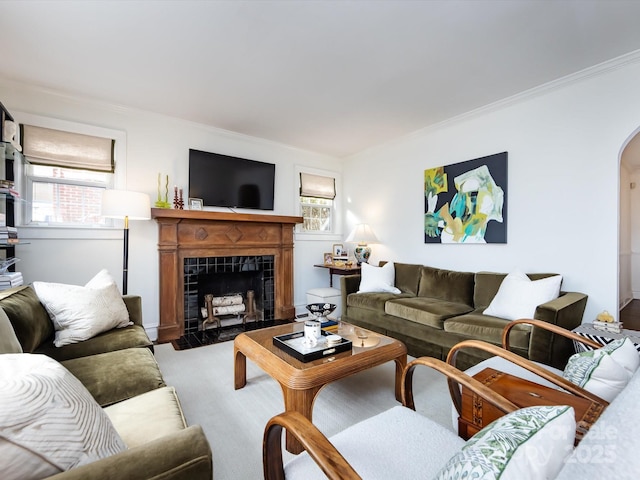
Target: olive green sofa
[
  {"x": 120, "y": 372},
  {"x": 437, "y": 308}
]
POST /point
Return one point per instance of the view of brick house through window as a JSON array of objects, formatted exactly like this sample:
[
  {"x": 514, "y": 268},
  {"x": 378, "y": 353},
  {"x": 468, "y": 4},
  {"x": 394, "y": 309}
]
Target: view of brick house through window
[{"x": 66, "y": 203}]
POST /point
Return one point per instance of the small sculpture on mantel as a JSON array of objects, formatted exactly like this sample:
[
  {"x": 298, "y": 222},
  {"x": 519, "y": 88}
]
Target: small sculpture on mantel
[
  {"x": 160, "y": 203},
  {"x": 178, "y": 201}
]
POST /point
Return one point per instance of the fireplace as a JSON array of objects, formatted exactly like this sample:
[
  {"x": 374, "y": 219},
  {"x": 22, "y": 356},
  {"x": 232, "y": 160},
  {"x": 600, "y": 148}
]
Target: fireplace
[
  {"x": 202, "y": 239},
  {"x": 228, "y": 278}
]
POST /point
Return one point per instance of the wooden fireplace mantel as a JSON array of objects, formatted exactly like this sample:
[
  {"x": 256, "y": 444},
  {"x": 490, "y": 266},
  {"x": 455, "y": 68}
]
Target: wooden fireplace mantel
[{"x": 195, "y": 233}]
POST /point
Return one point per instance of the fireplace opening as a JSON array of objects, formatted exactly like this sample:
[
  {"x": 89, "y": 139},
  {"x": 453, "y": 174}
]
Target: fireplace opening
[{"x": 242, "y": 286}]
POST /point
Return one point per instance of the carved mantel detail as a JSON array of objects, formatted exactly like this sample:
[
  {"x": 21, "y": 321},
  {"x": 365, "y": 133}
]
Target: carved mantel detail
[{"x": 191, "y": 234}]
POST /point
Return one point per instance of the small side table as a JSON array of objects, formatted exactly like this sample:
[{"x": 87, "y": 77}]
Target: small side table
[
  {"x": 335, "y": 270},
  {"x": 588, "y": 331}
]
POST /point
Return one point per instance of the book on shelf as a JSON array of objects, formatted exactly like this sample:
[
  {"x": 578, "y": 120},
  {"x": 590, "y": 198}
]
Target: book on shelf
[
  {"x": 10, "y": 191},
  {"x": 10, "y": 279}
]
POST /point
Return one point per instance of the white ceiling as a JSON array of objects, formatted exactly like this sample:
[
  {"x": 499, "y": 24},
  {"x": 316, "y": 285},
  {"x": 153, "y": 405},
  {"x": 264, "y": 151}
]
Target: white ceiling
[{"x": 335, "y": 77}]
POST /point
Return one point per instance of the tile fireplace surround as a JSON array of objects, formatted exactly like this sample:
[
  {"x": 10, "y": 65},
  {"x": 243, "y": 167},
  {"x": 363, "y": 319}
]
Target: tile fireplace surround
[{"x": 184, "y": 234}]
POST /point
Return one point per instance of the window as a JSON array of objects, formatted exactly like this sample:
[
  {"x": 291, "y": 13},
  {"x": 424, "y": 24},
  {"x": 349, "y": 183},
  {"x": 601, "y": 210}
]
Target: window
[
  {"x": 64, "y": 175},
  {"x": 64, "y": 196},
  {"x": 317, "y": 195}
]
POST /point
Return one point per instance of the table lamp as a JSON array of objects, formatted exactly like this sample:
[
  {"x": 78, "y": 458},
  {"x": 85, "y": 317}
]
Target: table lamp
[
  {"x": 362, "y": 234},
  {"x": 129, "y": 206}
]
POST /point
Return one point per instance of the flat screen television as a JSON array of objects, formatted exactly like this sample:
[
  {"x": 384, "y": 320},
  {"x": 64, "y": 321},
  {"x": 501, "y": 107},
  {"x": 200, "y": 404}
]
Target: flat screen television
[{"x": 225, "y": 181}]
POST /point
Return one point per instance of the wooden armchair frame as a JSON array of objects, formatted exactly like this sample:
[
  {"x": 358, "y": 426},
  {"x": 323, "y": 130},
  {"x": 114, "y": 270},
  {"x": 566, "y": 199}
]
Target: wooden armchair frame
[
  {"x": 505, "y": 353},
  {"x": 326, "y": 456}
]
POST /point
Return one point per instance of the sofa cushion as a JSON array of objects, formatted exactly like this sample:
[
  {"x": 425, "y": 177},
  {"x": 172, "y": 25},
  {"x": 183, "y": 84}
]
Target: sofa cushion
[
  {"x": 487, "y": 285},
  {"x": 116, "y": 376},
  {"x": 446, "y": 285},
  {"x": 8, "y": 341},
  {"x": 79, "y": 313},
  {"x": 372, "y": 301},
  {"x": 530, "y": 443},
  {"x": 408, "y": 277},
  {"x": 29, "y": 319},
  {"x": 116, "y": 339},
  {"x": 48, "y": 421},
  {"x": 377, "y": 279},
  {"x": 518, "y": 296},
  {"x": 489, "y": 329},
  {"x": 147, "y": 417},
  {"x": 424, "y": 310}
]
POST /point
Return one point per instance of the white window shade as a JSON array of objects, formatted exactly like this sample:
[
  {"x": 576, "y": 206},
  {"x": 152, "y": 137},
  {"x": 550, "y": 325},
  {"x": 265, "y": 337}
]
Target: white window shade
[
  {"x": 317, "y": 186},
  {"x": 46, "y": 146}
]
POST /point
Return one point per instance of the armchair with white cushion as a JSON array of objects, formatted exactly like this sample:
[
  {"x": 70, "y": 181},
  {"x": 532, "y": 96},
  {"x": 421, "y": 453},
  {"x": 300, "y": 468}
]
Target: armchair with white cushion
[{"x": 401, "y": 443}]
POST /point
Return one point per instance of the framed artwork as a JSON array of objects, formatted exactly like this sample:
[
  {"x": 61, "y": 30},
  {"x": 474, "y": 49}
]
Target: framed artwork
[
  {"x": 466, "y": 202},
  {"x": 328, "y": 258},
  {"x": 339, "y": 251},
  {"x": 195, "y": 204}
]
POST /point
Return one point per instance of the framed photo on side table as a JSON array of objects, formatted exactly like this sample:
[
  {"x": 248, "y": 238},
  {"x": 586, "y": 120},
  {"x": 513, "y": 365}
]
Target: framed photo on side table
[
  {"x": 328, "y": 258},
  {"x": 195, "y": 204},
  {"x": 338, "y": 250}
]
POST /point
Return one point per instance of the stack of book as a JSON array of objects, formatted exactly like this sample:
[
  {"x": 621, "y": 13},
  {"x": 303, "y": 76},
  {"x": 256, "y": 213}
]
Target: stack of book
[
  {"x": 615, "y": 327},
  {"x": 329, "y": 325},
  {"x": 10, "y": 279},
  {"x": 7, "y": 234}
]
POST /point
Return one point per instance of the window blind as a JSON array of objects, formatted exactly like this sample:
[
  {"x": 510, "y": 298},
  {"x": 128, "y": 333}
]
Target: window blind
[
  {"x": 317, "y": 186},
  {"x": 46, "y": 146}
]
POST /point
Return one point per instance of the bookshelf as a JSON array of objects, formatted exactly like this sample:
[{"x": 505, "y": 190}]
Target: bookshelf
[{"x": 8, "y": 232}]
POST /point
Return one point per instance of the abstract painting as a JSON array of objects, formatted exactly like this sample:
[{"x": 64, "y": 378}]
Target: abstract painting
[{"x": 467, "y": 202}]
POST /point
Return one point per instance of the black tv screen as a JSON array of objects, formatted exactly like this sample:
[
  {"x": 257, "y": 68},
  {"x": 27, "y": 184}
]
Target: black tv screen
[{"x": 225, "y": 181}]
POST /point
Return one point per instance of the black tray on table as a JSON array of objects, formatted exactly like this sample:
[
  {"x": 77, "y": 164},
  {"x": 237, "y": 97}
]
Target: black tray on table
[{"x": 292, "y": 343}]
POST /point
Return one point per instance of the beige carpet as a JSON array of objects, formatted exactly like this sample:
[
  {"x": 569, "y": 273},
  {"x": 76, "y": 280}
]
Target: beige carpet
[{"x": 234, "y": 420}]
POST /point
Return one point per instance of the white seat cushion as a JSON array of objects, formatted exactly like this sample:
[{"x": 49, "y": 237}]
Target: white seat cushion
[
  {"x": 403, "y": 434},
  {"x": 146, "y": 417}
]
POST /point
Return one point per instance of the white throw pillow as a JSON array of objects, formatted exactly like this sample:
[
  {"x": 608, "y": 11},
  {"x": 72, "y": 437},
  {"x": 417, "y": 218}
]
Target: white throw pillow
[
  {"x": 530, "y": 443},
  {"x": 378, "y": 279},
  {"x": 597, "y": 372},
  {"x": 49, "y": 422},
  {"x": 518, "y": 296},
  {"x": 624, "y": 352},
  {"x": 79, "y": 313}
]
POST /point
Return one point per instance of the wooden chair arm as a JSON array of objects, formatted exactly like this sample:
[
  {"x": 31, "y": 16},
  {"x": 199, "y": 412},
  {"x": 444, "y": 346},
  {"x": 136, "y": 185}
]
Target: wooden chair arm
[
  {"x": 334, "y": 465},
  {"x": 546, "y": 326},
  {"x": 522, "y": 362},
  {"x": 454, "y": 378}
]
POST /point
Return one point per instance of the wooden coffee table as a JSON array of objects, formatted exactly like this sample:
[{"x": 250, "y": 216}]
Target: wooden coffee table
[{"x": 302, "y": 381}]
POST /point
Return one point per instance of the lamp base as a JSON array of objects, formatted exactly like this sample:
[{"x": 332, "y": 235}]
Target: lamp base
[{"x": 362, "y": 254}]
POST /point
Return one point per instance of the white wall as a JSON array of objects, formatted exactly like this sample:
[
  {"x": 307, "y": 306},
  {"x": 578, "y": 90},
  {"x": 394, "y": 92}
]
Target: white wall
[
  {"x": 625, "y": 294},
  {"x": 154, "y": 144},
  {"x": 564, "y": 146}
]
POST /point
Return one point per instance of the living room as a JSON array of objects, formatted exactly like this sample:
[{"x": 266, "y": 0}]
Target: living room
[
  {"x": 564, "y": 140},
  {"x": 572, "y": 206}
]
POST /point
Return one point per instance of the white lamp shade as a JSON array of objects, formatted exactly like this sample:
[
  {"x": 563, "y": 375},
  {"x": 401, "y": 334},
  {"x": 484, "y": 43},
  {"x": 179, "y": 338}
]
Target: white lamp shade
[
  {"x": 362, "y": 234},
  {"x": 124, "y": 203}
]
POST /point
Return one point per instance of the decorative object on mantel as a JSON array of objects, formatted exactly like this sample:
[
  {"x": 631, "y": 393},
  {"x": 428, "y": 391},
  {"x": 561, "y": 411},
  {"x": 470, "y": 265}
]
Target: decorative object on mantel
[
  {"x": 178, "y": 201},
  {"x": 129, "y": 206},
  {"x": 363, "y": 235},
  {"x": 160, "y": 203}
]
